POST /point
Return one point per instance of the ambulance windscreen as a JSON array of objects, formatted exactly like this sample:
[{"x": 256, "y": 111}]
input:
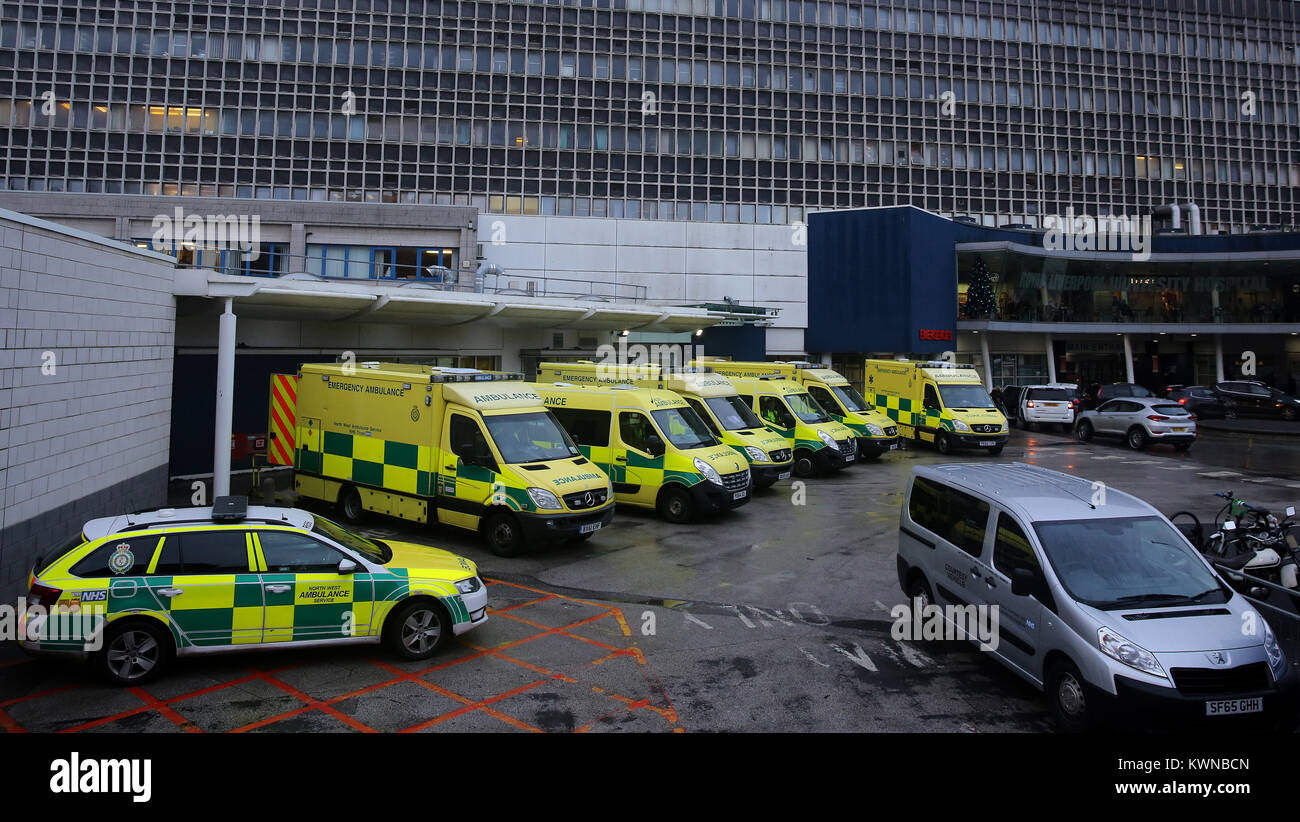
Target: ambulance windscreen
[{"x": 531, "y": 437}]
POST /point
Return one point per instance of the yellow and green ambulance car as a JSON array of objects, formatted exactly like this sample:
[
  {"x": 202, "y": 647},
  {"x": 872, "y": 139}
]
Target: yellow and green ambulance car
[
  {"x": 713, "y": 398},
  {"x": 458, "y": 446},
  {"x": 134, "y": 591},
  {"x": 820, "y": 443},
  {"x": 876, "y": 432},
  {"x": 937, "y": 402},
  {"x": 656, "y": 449}
]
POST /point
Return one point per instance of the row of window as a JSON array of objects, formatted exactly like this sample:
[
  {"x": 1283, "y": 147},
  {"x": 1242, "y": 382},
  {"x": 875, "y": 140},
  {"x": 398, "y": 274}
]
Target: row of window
[{"x": 273, "y": 48}]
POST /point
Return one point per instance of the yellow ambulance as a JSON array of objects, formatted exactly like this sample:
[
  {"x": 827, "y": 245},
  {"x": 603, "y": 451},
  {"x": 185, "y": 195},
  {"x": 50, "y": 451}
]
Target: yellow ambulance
[
  {"x": 820, "y": 443},
  {"x": 656, "y": 449},
  {"x": 937, "y": 402},
  {"x": 876, "y": 432},
  {"x": 458, "y": 446},
  {"x": 713, "y": 398}
]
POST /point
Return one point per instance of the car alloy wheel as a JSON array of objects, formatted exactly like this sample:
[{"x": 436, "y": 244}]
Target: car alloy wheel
[
  {"x": 1137, "y": 439},
  {"x": 421, "y": 631}
]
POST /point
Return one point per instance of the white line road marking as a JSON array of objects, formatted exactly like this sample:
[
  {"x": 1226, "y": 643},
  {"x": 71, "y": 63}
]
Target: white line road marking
[
  {"x": 1264, "y": 480},
  {"x": 1107, "y": 457},
  {"x": 914, "y": 656},
  {"x": 1140, "y": 462},
  {"x": 1218, "y": 474},
  {"x": 812, "y": 658},
  {"x": 692, "y": 618},
  {"x": 880, "y": 606},
  {"x": 858, "y": 657}
]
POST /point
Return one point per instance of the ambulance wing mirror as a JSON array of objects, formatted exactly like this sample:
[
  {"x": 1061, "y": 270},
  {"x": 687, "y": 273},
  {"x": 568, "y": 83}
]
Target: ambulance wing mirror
[
  {"x": 654, "y": 445},
  {"x": 346, "y": 567}
]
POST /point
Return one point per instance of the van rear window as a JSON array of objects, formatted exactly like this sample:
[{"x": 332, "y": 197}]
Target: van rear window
[
  {"x": 949, "y": 514},
  {"x": 1049, "y": 394}
]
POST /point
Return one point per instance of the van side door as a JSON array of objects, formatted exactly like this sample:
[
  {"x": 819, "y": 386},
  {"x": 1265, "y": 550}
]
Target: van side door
[
  {"x": 467, "y": 470},
  {"x": 1020, "y": 618},
  {"x": 639, "y": 468},
  {"x": 960, "y": 573}
]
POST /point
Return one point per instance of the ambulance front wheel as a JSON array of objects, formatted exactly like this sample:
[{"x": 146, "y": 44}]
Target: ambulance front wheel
[
  {"x": 350, "y": 507},
  {"x": 675, "y": 504},
  {"x": 942, "y": 443},
  {"x": 417, "y": 629},
  {"x": 805, "y": 464},
  {"x": 503, "y": 534}
]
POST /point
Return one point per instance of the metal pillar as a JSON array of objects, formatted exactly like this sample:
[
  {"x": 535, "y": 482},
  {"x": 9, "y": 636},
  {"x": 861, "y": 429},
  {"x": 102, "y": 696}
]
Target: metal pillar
[
  {"x": 225, "y": 403},
  {"x": 1128, "y": 359},
  {"x": 988, "y": 362},
  {"x": 1218, "y": 358},
  {"x": 1051, "y": 358}
]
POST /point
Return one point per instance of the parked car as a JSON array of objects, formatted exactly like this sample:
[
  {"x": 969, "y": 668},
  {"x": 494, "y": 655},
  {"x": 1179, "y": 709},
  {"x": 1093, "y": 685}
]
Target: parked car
[
  {"x": 1257, "y": 399},
  {"x": 1140, "y": 421},
  {"x": 1107, "y": 609},
  {"x": 1202, "y": 401},
  {"x": 1098, "y": 394},
  {"x": 1047, "y": 404}
]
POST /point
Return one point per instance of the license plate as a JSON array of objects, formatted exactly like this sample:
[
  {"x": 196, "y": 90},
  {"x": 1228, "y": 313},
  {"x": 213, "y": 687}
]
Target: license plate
[
  {"x": 740, "y": 495},
  {"x": 1179, "y": 430},
  {"x": 893, "y": 446},
  {"x": 785, "y": 475},
  {"x": 589, "y": 528},
  {"x": 1223, "y": 707},
  {"x": 987, "y": 443}
]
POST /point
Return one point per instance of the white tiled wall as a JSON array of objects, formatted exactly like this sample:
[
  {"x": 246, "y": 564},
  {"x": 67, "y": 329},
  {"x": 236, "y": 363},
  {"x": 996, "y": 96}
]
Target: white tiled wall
[
  {"x": 86, "y": 338},
  {"x": 678, "y": 262}
]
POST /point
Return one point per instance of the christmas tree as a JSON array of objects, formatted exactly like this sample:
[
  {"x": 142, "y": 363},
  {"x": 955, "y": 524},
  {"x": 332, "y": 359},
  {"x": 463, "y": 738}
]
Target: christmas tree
[{"x": 980, "y": 300}]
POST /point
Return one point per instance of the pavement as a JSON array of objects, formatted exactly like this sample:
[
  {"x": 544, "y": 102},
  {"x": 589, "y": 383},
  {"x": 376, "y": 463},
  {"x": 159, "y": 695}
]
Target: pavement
[{"x": 774, "y": 617}]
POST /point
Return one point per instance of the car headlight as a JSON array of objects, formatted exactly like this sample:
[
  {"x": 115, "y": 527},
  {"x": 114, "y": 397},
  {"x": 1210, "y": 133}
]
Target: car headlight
[
  {"x": 708, "y": 472},
  {"x": 875, "y": 430},
  {"x": 958, "y": 425},
  {"x": 755, "y": 454},
  {"x": 826, "y": 438},
  {"x": 469, "y": 586},
  {"x": 543, "y": 498},
  {"x": 1131, "y": 654},
  {"x": 1276, "y": 659}
]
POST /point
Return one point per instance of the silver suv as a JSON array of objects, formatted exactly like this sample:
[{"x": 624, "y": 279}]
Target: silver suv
[{"x": 1139, "y": 421}]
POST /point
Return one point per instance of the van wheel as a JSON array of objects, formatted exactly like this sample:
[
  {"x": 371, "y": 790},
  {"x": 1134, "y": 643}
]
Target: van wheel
[
  {"x": 1137, "y": 438},
  {"x": 920, "y": 589},
  {"x": 1289, "y": 413},
  {"x": 675, "y": 504},
  {"x": 134, "y": 652},
  {"x": 1084, "y": 431},
  {"x": 504, "y": 538},
  {"x": 1068, "y": 698},
  {"x": 942, "y": 443},
  {"x": 804, "y": 464},
  {"x": 350, "y": 507},
  {"x": 416, "y": 629}
]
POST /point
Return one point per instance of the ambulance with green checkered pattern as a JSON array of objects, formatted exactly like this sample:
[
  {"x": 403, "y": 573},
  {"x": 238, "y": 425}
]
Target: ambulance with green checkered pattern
[
  {"x": 132, "y": 592},
  {"x": 467, "y": 448},
  {"x": 656, "y": 449},
  {"x": 937, "y": 402},
  {"x": 820, "y": 444},
  {"x": 713, "y": 398},
  {"x": 876, "y": 432}
]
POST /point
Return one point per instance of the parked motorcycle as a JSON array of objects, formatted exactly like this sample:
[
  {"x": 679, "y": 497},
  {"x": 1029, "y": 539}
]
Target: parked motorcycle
[{"x": 1248, "y": 540}]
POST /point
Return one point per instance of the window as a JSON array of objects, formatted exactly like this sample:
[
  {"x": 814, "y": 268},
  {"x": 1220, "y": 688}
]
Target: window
[
  {"x": 774, "y": 412},
  {"x": 289, "y": 552},
  {"x": 590, "y": 428},
  {"x": 1011, "y": 548},
  {"x": 118, "y": 558},
  {"x": 825, "y": 400},
  {"x": 635, "y": 430},
  {"x": 204, "y": 552},
  {"x": 949, "y": 514},
  {"x": 468, "y": 442}
]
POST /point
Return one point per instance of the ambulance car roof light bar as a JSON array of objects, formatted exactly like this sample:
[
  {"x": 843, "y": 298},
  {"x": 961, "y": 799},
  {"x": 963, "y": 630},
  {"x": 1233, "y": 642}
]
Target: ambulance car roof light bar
[{"x": 229, "y": 509}]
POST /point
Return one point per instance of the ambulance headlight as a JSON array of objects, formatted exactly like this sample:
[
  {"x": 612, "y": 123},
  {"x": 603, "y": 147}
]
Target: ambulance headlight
[
  {"x": 755, "y": 454},
  {"x": 468, "y": 586},
  {"x": 958, "y": 425},
  {"x": 543, "y": 498},
  {"x": 708, "y": 472},
  {"x": 875, "y": 430},
  {"x": 826, "y": 438}
]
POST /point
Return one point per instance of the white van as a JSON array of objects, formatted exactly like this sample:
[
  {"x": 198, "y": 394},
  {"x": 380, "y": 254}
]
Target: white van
[{"x": 1101, "y": 602}]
